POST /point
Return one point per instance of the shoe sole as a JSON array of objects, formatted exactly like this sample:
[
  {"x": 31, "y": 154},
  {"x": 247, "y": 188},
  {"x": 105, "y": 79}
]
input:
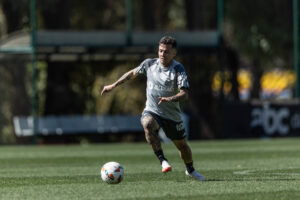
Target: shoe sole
[{"x": 167, "y": 169}]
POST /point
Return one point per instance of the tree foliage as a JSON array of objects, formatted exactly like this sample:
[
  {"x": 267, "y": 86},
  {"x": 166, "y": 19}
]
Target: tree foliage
[{"x": 262, "y": 30}]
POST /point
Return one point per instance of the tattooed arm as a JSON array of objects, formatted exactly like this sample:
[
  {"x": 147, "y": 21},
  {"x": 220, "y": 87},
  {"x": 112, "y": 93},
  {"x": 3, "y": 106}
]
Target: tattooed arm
[{"x": 127, "y": 76}]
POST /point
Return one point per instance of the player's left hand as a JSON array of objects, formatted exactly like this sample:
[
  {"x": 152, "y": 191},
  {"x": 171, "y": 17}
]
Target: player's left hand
[{"x": 161, "y": 99}]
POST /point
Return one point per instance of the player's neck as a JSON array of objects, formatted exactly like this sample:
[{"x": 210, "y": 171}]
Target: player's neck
[{"x": 167, "y": 65}]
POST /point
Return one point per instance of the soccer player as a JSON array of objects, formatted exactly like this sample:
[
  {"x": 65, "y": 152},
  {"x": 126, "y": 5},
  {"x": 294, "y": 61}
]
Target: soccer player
[{"x": 167, "y": 84}]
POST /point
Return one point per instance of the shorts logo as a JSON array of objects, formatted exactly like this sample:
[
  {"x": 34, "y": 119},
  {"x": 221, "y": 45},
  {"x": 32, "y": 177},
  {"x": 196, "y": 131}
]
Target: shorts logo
[{"x": 179, "y": 127}]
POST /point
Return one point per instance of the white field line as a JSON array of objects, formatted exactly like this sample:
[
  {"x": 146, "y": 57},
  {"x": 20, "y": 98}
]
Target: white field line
[{"x": 253, "y": 172}]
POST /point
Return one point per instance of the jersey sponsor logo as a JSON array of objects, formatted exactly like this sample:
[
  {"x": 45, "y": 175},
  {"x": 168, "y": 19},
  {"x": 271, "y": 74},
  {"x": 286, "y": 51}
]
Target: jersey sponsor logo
[{"x": 152, "y": 86}]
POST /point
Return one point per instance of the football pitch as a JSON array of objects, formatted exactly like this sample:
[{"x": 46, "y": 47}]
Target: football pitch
[{"x": 235, "y": 169}]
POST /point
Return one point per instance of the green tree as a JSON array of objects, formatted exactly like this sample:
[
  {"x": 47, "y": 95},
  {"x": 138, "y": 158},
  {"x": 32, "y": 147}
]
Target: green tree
[{"x": 261, "y": 31}]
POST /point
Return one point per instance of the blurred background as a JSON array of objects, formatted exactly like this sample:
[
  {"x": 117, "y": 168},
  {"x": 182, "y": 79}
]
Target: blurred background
[{"x": 55, "y": 57}]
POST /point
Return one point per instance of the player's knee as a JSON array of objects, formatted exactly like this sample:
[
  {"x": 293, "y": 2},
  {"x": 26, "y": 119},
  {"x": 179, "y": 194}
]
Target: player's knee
[
  {"x": 151, "y": 138},
  {"x": 147, "y": 124}
]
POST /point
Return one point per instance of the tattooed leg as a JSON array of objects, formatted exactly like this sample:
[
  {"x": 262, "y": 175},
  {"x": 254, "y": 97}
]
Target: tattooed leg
[{"x": 151, "y": 128}]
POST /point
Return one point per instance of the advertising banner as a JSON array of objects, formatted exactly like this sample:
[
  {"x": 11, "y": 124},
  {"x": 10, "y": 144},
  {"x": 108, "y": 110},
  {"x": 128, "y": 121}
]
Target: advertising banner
[{"x": 261, "y": 119}]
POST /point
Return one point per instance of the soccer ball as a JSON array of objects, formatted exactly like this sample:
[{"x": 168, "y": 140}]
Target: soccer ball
[{"x": 112, "y": 173}]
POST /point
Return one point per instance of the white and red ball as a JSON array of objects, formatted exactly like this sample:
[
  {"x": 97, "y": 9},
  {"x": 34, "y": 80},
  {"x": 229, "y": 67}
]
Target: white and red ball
[{"x": 112, "y": 173}]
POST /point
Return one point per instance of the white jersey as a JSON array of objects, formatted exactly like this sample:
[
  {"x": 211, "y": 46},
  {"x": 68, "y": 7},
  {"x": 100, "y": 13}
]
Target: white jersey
[{"x": 163, "y": 82}]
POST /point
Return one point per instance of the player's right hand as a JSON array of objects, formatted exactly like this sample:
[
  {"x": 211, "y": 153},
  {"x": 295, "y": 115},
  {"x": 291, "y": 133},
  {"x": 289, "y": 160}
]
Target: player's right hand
[{"x": 107, "y": 88}]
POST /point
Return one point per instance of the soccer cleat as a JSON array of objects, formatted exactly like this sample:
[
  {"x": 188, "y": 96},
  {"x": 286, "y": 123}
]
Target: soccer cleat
[
  {"x": 195, "y": 175},
  {"x": 166, "y": 167}
]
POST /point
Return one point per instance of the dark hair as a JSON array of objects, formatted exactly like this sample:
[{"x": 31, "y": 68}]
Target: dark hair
[{"x": 168, "y": 40}]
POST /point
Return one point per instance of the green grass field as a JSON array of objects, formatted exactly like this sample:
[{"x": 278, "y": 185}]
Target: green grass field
[{"x": 240, "y": 169}]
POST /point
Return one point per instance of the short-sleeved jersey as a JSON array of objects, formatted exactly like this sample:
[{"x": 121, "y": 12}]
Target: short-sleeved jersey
[{"x": 163, "y": 82}]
